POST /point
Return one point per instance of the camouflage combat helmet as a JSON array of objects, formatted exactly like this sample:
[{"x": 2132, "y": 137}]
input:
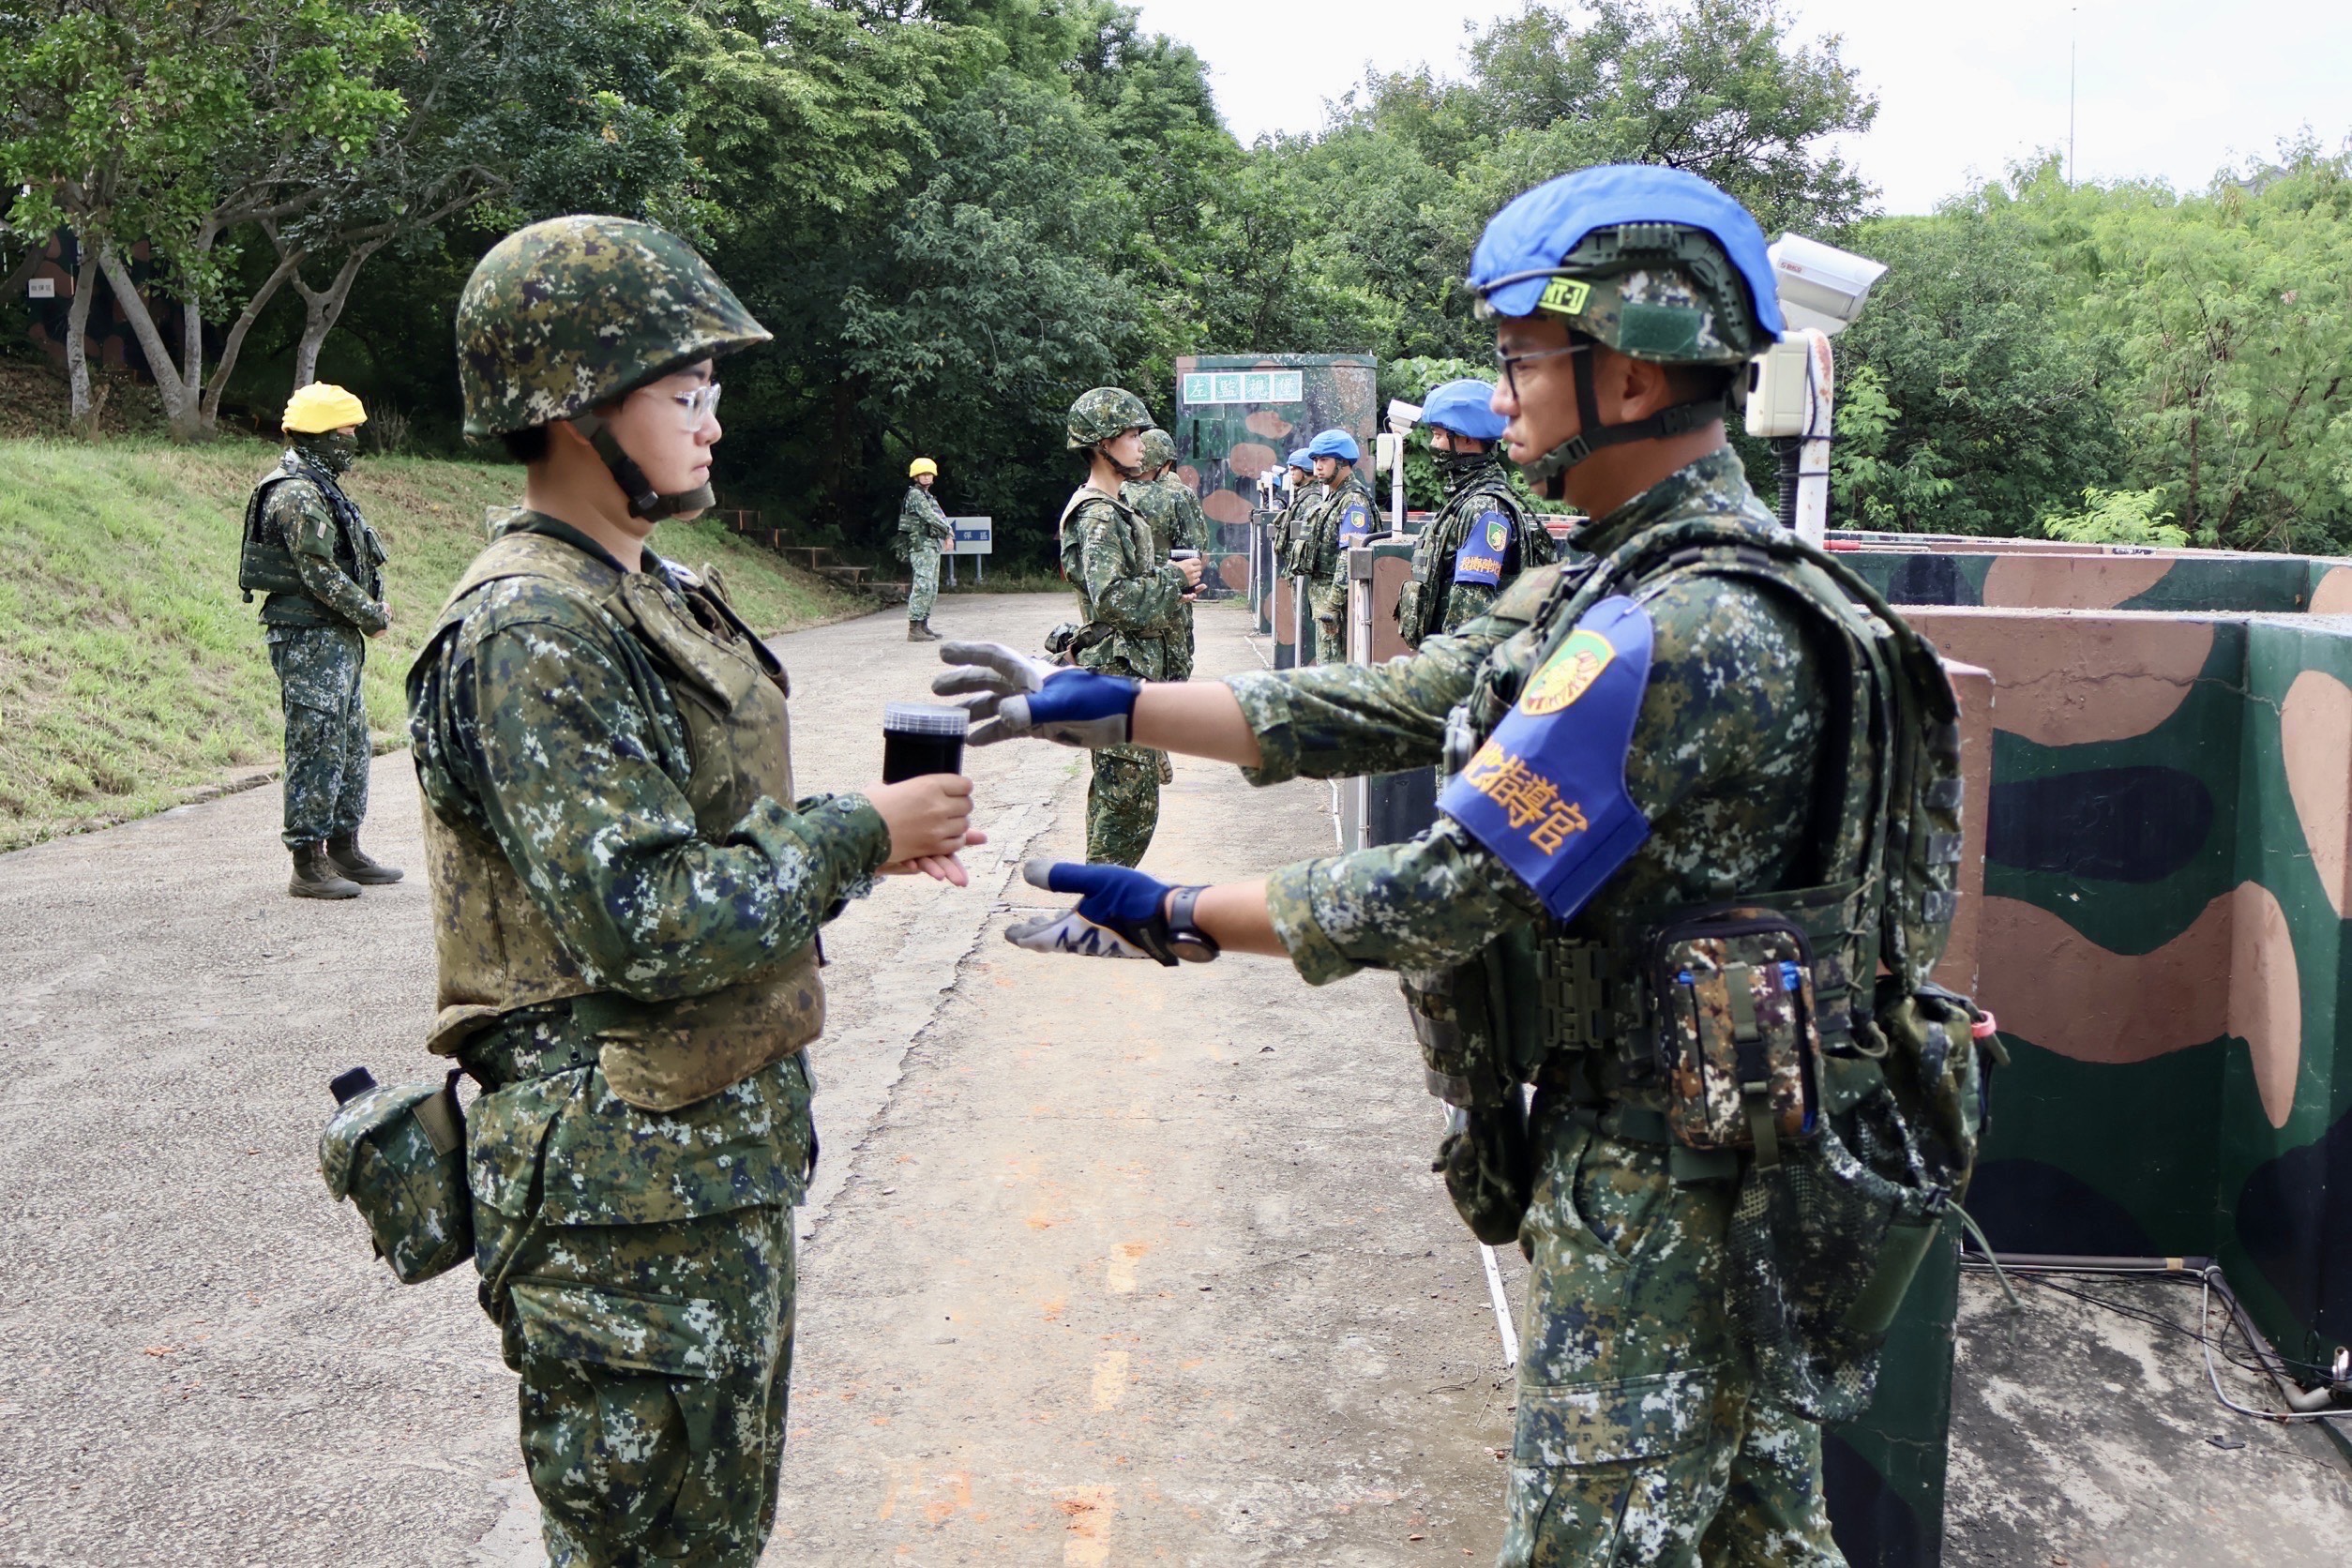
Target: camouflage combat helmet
[
  {"x": 1103, "y": 413},
  {"x": 575, "y": 312},
  {"x": 1159, "y": 448},
  {"x": 1655, "y": 263},
  {"x": 569, "y": 314}
]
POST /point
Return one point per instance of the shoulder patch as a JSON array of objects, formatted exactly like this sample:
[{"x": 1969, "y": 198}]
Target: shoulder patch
[
  {"x": 1355, "y": 522},
  {"x": 1546, "y": 792},
  {"x": 1485, "y": 551}
]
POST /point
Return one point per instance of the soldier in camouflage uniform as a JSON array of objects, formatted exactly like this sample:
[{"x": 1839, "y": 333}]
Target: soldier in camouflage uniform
[
  {"x": 1173, "y": 512},
  {"x": 1484, "y": 536},
  {"x": 1342, "y": 521},
  {"x": 627, "y": 898},
  {"x": 1656, "y": 753},
  {"x": 923, "y": 528},
  {"x": 323, "y": 567},
  {"x": 1130, "y": 595}
]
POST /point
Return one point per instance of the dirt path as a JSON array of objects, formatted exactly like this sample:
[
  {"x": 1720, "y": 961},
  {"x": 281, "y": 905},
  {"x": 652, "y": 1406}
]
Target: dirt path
[{"x": 1104, "y": 1265}]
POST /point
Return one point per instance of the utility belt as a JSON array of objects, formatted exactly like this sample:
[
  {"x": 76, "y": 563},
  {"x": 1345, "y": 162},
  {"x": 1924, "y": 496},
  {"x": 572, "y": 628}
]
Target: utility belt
[
  {"x": 657, "y": 1056},
  {"x": 1700, "y": 1029}
]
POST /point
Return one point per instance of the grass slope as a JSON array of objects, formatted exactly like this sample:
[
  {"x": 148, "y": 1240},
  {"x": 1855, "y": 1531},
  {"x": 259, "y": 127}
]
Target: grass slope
[{"x": 132, "y": 675}]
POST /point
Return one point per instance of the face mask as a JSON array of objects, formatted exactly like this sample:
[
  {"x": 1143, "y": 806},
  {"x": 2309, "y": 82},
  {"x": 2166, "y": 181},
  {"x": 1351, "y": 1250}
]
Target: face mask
[
  {"x": 332, "y": 450},
  {"x": 1454, "y": 468}
]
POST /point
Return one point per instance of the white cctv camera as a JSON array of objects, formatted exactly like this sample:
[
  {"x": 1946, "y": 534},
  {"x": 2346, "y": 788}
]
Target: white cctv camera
[{"x": 1819, "y": 285}]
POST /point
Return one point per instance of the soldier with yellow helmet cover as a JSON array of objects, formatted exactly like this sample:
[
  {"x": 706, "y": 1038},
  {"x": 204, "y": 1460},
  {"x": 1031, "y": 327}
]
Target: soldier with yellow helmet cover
[
  {"x": 923, "y": 531},
  {"x": 309, "y": 549},
  {"x": 627, "y": 893}
]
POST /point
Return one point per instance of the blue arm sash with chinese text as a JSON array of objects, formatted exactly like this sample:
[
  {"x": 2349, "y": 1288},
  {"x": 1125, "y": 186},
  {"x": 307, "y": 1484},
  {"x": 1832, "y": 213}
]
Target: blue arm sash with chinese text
[
  {"x": 1546, "y": 792},
  {"x": 1355, "y": 524},
  {"x": 1485, "y": 550}
]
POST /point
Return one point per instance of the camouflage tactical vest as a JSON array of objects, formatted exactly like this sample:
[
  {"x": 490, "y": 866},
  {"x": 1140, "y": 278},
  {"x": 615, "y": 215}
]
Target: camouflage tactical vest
[
  {"x": 267, "y": 566},
  {"x": 497, "y": 950},
  {"x": 1098, "y": 645},
  {"x": 1421, "y": 608},
  {"x": 1826, "y": 1235}
]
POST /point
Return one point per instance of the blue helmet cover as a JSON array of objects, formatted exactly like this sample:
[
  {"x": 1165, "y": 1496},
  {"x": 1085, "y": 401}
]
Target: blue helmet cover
[
  {"x": 1541, "y": 226},
  {"x": 1334, "y": 444},
  {"x": 1300, "y": 459},
  {"x": 1465, "y": 408}
]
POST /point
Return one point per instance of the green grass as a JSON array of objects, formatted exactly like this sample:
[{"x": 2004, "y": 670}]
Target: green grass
[{"x": 132, "y": 675}]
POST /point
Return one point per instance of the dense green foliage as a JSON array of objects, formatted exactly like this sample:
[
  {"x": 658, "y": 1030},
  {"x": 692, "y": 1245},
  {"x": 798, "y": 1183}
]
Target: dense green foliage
[{"x": 955, "y": 215}]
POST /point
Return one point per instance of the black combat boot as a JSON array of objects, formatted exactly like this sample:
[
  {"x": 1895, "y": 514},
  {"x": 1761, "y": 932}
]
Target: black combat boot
[
  {"x": 920, "y": 631},
  {"x": 315, "y": 875},
  {"x": 353, "y": 862}
]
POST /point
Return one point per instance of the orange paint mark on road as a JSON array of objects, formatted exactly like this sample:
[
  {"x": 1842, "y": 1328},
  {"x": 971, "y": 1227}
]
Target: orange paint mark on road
[
  {"x": 1054, "y": 1308},
  {"x": 1087, "y": 1542}
]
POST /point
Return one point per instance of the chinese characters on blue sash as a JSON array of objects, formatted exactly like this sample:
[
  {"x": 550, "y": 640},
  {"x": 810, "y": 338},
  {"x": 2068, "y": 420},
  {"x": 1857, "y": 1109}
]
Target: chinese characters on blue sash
[
  {"x": 1484, "y": 551},
  {"x": 1546, "y": 792}
]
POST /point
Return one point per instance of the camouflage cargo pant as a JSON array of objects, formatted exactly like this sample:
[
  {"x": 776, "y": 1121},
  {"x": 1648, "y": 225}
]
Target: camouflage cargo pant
[
  {"x": 1636, "y": 1442},
  {"x": 655, "y": 1360},
  {"x": 1330, "y": 602},
  {"x": 923, "y": 563},
  {"x": 1180, "y": 653},
  {"x": 1122, "y": 803},
  {"x": 326, "y": 728}
]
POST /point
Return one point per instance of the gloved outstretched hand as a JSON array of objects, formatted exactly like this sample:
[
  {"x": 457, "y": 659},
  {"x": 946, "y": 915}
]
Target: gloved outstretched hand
[
  {"x": 1018, "y": 696},
  {"x": 1123, "y": 915}
]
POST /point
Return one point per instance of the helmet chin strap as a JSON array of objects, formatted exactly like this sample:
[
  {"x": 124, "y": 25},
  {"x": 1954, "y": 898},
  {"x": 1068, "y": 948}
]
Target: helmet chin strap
[
  {"x": 1547, "y": 473},
  {"x": 645, "y": 501}
]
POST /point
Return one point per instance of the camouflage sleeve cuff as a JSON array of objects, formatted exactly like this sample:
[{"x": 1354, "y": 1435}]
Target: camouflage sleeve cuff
[
  {"x": 1265, "y": 699},
  {"x": 829, "y": 846},
  {"x": 1291, "y": 902}
]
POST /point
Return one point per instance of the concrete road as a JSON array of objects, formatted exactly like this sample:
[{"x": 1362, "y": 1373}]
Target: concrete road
[{"x": 1104, "y": 1264}]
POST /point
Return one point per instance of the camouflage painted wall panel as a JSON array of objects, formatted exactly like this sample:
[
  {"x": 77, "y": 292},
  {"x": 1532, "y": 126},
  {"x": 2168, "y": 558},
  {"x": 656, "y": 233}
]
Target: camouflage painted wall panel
[
  {"x": 2165, "y": 883},
  {"x": 1242, "y": 427}
]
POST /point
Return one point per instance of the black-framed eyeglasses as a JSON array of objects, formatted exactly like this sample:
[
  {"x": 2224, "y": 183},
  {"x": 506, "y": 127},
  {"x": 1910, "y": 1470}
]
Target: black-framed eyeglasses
[{"x": 1508, "y": 363}]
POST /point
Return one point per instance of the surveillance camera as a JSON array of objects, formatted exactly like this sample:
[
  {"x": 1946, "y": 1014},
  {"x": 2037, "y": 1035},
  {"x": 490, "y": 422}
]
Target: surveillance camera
[
  {"x": 1820, "y": 286},
  {"x": 1402, "y": 416}
]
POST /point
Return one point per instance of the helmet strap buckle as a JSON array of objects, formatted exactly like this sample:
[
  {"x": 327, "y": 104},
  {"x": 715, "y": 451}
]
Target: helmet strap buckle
[{"x": 644, "y": 498}]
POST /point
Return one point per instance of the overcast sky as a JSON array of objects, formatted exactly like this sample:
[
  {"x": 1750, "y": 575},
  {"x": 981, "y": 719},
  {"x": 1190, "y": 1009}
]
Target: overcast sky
[{"x": 2167, "y": 89}]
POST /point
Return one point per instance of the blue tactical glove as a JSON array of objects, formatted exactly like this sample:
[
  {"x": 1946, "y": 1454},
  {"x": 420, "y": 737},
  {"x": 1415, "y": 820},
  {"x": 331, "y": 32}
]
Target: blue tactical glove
[
  {"x": 1124, "y": 915},
  {"x": 1020, "y": 696}
]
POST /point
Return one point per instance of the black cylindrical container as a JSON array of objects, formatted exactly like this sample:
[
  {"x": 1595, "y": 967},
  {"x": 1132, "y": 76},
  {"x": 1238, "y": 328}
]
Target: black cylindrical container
[{"x": 918, "y": 739}]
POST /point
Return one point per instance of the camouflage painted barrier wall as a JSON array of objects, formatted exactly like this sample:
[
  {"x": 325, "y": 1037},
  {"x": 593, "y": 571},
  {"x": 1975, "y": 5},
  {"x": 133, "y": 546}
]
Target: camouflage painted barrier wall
[
  {"x": 2167, "y": 866},
  {"x": 1239, "y": 414}
]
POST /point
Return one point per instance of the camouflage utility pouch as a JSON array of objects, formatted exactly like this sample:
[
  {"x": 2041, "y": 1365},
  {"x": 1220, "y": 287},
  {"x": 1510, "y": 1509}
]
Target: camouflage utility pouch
[
  {"x": 1736, "y": 1042},
  {"x": 1489, "y": 1168},
  {"x": 397, "y": 1151}
]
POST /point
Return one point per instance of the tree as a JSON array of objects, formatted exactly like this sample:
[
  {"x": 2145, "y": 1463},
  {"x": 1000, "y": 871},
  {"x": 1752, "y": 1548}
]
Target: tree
[
  {"x": 146, "y": 120},
  {"x": 1965, "y": 405}
]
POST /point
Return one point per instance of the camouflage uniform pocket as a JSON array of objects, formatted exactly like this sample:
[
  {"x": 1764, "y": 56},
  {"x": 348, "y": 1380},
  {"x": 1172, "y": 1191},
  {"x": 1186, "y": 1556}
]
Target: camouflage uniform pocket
[{"x": 1614, "y": 1422}]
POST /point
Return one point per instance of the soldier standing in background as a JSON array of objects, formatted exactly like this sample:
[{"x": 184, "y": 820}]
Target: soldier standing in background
[
  {"x": 1128, "y": 596},
  {"x": 1291, "y": 526},
  {"x": 1623, "y": 768},
  {"x": 307, "y": 546},
  {"x": 1342, "y": 521},
  {"x": 1483, "y": 536},
  {"x": 1172, "y": 513},
  {"x": 627, "y": 895},
  {"x": 923, "y": 528}
]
